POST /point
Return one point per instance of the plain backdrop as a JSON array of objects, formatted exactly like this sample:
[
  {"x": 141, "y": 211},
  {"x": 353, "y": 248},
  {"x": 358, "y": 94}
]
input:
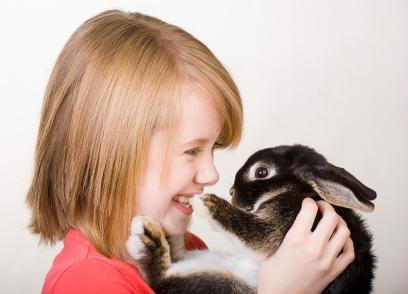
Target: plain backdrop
[{"x": 328, "y": 74}]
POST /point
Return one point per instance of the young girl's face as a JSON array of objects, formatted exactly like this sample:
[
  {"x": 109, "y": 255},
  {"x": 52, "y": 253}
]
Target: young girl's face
[{"x": 190, "y": 167}]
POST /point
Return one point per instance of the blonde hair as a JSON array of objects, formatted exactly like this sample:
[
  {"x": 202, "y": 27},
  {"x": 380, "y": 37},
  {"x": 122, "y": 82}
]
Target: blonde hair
[{"x": 117, "y": 80}]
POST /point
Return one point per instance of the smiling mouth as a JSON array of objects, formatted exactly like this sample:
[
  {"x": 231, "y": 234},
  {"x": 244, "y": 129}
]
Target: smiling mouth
[{"x": 183, "y": 200}]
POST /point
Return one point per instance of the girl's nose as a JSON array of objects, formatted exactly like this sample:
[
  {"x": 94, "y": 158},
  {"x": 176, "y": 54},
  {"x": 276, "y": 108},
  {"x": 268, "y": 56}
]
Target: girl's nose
[{"x": 207, "y": 174}]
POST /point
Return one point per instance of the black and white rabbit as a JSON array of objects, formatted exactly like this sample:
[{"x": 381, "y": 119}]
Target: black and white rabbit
[{"x": 266, "y": 197}]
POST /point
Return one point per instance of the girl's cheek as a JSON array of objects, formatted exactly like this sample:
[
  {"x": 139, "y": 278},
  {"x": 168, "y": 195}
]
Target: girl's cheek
[
  {"x": 188, "y": 172},
  {"x": 184, "y": 168}
]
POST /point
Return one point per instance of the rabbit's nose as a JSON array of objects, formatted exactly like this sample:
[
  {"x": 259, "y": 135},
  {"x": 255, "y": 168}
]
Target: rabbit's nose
[{"x": 232, "y": 191}]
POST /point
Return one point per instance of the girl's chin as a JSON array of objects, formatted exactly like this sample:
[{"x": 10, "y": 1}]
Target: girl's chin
[{"x": 178, "y": 228}]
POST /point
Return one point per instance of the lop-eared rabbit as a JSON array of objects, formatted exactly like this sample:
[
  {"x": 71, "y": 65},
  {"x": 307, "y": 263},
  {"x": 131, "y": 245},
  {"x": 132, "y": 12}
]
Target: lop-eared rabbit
[{"x": 266, "y": 197}]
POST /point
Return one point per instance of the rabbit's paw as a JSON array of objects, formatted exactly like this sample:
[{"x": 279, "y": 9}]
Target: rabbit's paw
[
  {"x": 215, "y": 204},
  {"x": 146, "y": 237},
  {"x": 214, "y": 209}
]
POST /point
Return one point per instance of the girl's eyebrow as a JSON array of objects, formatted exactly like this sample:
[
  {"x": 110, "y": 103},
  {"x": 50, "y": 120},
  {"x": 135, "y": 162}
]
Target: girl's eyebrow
[{"x": 197, "y": 141}]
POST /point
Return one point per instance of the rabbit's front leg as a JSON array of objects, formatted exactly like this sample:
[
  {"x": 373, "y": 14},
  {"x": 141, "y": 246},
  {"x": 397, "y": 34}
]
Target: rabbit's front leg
[
  {"x": 254, "y": 232},
  {"x": 147, "y": 245}
]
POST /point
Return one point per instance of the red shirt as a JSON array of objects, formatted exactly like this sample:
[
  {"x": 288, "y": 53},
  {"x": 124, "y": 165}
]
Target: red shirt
[{"x": 80, "y": 268}]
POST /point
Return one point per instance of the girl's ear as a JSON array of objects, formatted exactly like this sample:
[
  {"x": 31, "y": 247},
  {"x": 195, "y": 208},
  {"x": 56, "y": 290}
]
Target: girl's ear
[{"x": 339, "y": 187}]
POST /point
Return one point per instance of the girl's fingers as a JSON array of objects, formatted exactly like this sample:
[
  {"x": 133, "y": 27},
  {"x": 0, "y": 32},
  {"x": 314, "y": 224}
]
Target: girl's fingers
[
  {"x": 306, "y": 216},
  {"x": 327, "y": 224},
  {"x": 339, "y": 238},
  {"x": 345, "y": 258}
]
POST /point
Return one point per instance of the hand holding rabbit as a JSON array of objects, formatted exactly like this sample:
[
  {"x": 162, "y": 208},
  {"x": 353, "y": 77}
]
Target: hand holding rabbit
[{"x": 306, "y": 261}]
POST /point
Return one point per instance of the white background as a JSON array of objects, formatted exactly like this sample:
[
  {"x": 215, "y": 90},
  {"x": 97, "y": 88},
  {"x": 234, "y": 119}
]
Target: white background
[{"x": 328, "y": 74}]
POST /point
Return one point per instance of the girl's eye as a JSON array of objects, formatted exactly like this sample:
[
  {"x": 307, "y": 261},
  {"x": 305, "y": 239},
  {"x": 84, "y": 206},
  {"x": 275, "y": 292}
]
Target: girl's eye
[
  {"x": 197, "y": 150},
  {"x": 194, "y": 151}
]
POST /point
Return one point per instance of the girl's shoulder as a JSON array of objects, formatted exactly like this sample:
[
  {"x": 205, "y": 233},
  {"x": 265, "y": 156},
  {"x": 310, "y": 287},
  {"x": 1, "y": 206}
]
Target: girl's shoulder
[
  {"x": 95, "y": 276},
  {"x": 80, "y": 268}
]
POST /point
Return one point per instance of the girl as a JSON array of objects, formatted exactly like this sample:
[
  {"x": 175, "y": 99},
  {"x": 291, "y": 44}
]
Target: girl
[{"x": 132, "y": 113}]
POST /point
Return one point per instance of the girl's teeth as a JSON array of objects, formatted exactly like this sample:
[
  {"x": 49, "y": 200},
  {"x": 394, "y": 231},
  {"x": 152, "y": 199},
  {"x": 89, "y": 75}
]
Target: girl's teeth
[{"x": 184, "y": 200}]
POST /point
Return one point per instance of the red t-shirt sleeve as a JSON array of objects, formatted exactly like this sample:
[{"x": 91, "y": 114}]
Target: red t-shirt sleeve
[
  {"x": 192, "y": 242},
  {"x": 93, "y": 276}
]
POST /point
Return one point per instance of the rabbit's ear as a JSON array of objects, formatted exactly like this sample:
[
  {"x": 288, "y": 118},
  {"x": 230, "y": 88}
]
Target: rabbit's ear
[{"x": 339, "y": 187}]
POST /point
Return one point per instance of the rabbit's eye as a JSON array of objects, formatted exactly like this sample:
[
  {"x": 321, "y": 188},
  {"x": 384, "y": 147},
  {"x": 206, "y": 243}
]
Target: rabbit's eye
[{"x": 261, "y": 172}]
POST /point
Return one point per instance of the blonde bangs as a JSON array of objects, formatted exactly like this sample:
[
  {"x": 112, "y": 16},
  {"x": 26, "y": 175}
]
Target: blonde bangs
[
  {"x": 229, "y": 109},
  {"x": 211, "y": 81}
]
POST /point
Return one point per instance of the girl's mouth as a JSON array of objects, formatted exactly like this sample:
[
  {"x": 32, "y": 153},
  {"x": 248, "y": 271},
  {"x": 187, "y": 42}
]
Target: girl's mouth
[{"x": 182, "y": 202}]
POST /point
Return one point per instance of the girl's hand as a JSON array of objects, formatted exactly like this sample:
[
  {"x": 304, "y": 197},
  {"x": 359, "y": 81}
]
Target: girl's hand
[{"x": 306, "y": 261}]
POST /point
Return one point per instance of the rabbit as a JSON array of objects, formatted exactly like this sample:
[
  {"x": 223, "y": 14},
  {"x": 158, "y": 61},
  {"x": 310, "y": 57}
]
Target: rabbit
[{"x": 266, "y": 197}]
